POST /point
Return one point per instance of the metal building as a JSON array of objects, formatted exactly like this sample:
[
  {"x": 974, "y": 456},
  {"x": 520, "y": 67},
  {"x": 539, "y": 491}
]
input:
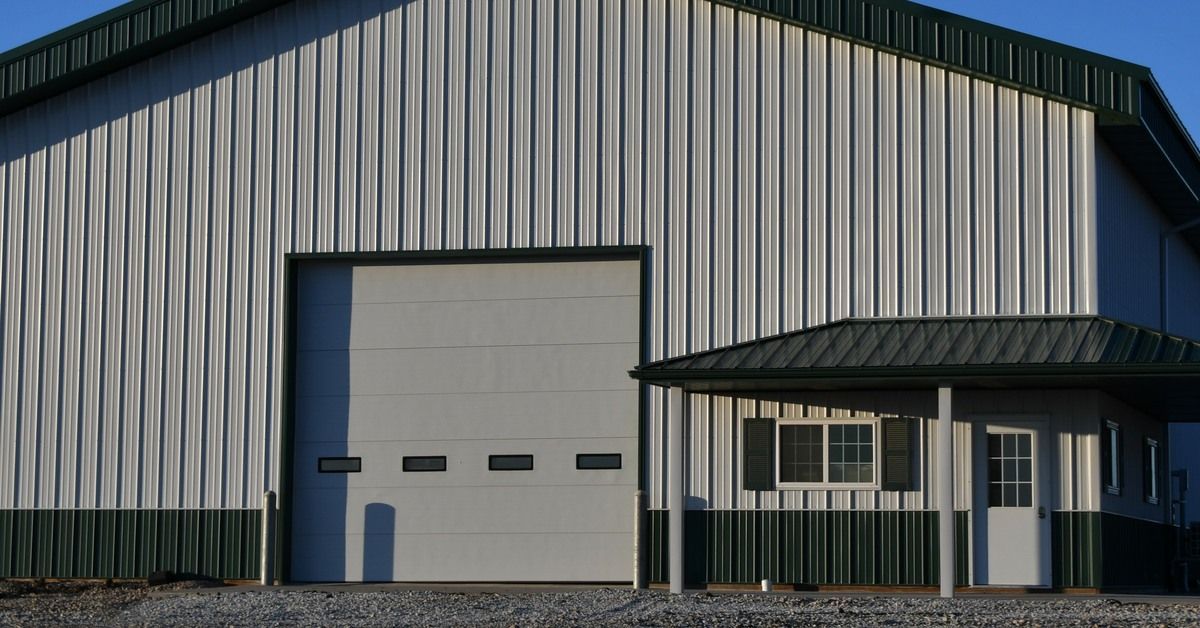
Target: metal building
[{"x": 456, "y": 278}]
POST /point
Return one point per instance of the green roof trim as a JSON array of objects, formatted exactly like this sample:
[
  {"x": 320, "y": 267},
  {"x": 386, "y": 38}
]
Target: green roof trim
[
  {"x": 951, "y": 347},
  {"x": 1132, "y": 111},
  {"x": 110, "y": 41},
  {"x": 1085, "y": 78}
]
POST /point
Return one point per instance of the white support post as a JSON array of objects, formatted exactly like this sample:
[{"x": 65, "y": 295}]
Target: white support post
[
  {"x": 945, "y": 489},
  {"x": 675, "y": 486}
]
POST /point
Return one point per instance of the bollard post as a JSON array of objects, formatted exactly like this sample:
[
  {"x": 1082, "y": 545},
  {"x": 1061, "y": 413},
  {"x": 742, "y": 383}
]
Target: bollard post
[
  {"x": 267, "y": 564},
  {"x": 641, "y": 577}
]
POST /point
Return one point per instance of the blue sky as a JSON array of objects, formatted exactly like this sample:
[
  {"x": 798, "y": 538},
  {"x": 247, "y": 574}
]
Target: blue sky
[{"x": 1162, "y": 34}]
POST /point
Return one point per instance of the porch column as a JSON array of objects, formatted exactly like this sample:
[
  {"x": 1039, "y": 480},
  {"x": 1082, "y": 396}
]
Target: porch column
[
  {"x": 945, "y": 490},
  {"x": 675, "y": 486}
]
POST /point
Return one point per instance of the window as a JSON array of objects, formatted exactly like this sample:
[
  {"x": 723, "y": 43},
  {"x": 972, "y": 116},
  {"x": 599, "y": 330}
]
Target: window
[
  {"x": 827, "y": 453},
  {"x": 801, "y": 453},
  {"x": 423, "y": 463},
  {"x": 1153, "y": 464},
  {"x": 339, "y": 465},
  {"x": 1110, "y": 457},
  {"x": 1010, "y": 470},
  {"x": 597, "y": 461},
  {"x": 510, "y": 463}
]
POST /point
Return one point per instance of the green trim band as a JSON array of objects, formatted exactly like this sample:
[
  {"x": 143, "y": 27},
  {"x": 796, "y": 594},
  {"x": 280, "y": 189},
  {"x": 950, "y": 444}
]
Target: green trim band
[
  {"x": 1075, "y": 549},
  {"x": 129, "y": 543},
  {"x": 868, "y": 547}
]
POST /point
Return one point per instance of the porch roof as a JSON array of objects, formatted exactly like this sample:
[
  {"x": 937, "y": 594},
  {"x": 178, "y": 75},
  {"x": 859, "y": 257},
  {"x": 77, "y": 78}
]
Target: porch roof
[{"x": 1157, "y": 372}]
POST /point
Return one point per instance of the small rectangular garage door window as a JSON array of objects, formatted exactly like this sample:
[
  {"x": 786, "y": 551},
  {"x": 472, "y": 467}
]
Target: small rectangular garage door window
[
  {"x": 339, "y": 465},
  {"x": 510, "y": 463},
  {"x": 424, "y": 463},
  {"x": 598, "y": 461}
]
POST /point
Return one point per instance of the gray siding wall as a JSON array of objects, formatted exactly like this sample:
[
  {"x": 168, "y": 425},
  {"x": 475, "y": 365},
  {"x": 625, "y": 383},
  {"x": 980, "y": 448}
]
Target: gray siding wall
[
  {"x": 1129, "y": 228},
  {"x": 782, "y": 177},
  {"x": 1136, "y": 426}
]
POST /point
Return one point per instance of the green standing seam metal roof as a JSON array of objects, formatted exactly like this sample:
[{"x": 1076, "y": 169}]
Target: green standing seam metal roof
[
  {"x": 949, "y": 347},
  {"x": 1133, "y": 114}
]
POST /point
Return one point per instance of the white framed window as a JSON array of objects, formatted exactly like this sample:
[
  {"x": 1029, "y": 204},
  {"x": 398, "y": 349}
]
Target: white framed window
[
  {"x": 1153, "y": 465},
  {"x": 827, "y": 454}
]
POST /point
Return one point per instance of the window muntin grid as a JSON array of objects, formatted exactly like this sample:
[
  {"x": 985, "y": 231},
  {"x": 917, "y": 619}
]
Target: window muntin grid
[
  {"x": 801, "y": 453},
  {"x": 851, "y": 453},
  {"x": 806, "y": 449},
  {"x": 1010, "y": 470}
]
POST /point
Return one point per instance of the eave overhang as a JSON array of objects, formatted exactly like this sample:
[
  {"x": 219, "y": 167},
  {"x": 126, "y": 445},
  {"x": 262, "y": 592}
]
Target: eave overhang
[
  {"x": 1156, "y": 372},
  {"x": 117, "y": 38}
]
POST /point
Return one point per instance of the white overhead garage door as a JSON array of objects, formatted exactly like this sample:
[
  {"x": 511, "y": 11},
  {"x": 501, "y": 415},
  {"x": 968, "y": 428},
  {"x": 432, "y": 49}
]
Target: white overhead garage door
[{"x": 465, "y": 421}]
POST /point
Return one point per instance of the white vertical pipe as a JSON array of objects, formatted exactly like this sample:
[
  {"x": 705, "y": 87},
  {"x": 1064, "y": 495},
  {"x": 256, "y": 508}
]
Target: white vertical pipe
[
  {"x": 267, "y": 562},
  {"x": 641, "y": 578},
  {"x": 675, "y": 486},
  {"x": 945, "y": 489}
]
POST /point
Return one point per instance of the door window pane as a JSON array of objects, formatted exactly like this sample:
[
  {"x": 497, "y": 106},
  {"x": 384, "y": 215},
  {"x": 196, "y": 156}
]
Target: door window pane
[{"x": 1010, "y": 470}]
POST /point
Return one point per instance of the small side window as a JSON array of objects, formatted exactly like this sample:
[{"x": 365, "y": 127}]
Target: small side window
[
  {"x": 1152, "y": 464},
  {"x": 423, "y": 463},
  {"x": 337, "y": 464},
  {"x": 1110, "y": 457},
  {"x": 598, "y": 461},
  {"x": 508, "y": 462}
]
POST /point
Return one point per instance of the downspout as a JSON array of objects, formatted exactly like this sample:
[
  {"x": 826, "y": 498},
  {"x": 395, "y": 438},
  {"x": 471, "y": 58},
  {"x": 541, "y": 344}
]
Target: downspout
[{"x": 1164, "y": 267}]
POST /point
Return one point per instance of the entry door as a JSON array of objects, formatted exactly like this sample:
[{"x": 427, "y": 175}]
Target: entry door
[{"x": 1012, "y": 504}]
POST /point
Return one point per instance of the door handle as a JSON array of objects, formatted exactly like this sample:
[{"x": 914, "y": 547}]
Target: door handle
[{"x": 1041, "y": 512}]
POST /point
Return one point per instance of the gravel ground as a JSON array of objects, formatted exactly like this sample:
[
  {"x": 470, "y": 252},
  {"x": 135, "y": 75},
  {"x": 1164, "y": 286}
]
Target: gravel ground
[{"x": 132, "y": 605}]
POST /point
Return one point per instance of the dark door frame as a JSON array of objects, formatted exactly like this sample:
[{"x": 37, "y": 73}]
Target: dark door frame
[{"x": 292, "y": 263}]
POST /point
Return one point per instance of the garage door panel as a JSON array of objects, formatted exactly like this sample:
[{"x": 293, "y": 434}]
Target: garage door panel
[
  {"x": 457, "y": 509},
  {"x": 465, "y": 370},
  {"x": 477, "y": 416},
  {"x": 457, "y": 282},
  {"x": 446, "y": 558},
  {"x": 324, "y": 327},
  {"x": 583, "y": 320},
  {"x": 466, "y": 462},
  {"x": 466, "y": 361},
  {"x": 324, "y": 283}
]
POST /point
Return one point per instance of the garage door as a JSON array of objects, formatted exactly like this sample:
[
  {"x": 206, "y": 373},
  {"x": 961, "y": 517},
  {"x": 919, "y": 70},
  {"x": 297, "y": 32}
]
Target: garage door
[{"x": 465, "y": 421}]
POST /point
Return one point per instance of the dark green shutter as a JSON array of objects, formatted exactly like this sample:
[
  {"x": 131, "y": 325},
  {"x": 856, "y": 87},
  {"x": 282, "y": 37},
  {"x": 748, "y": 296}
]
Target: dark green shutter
[
  {"x": 758, "y": 454},
  {"x": 897, "y": 454}
]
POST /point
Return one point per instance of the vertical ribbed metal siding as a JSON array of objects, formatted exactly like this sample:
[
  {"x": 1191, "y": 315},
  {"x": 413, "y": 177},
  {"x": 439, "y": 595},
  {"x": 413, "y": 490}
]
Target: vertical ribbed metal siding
[
  {"x": 782, "y": 177},
  {"x": 1129, "y": 229}
]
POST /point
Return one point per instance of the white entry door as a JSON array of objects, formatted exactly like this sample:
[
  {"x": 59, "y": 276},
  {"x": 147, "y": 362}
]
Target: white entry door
[{"x": 1012, "y": 503}]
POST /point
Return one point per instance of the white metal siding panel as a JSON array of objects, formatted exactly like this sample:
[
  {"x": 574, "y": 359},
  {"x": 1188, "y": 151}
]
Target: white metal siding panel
[{"x": 782, "y": 177}]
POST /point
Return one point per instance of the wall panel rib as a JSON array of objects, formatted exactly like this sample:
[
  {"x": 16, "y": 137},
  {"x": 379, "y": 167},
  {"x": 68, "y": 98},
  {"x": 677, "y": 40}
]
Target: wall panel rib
[{"x": 783, "y": 178}]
